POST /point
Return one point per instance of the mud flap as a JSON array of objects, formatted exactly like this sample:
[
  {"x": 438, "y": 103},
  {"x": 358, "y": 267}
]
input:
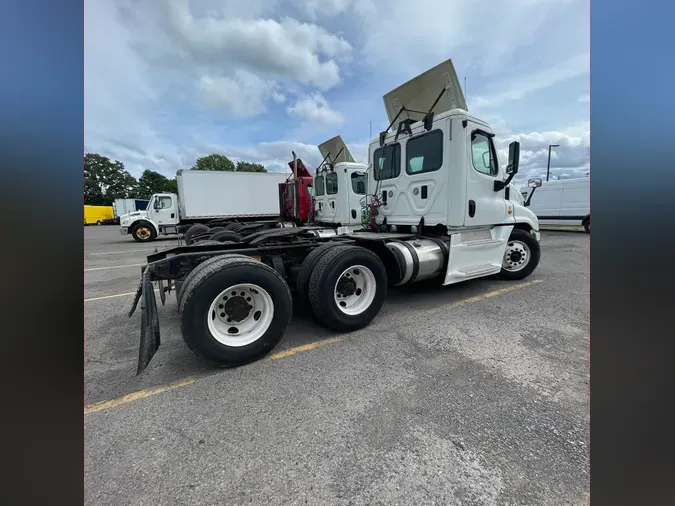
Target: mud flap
[{"x": 149, "y": 324}]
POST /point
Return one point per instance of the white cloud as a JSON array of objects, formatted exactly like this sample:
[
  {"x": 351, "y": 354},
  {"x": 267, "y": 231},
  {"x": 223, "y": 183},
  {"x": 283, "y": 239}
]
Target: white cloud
[
  {"x": 287, "y": 48},
  {"x": 149, "y": 62},
  {"x": 244, "y": 95},
  {"x": 315, "y": 108},
  {"x": 571, "y": 158},
  {"x": 416, "y": 35},
  {"x": 517, "y": 89}
]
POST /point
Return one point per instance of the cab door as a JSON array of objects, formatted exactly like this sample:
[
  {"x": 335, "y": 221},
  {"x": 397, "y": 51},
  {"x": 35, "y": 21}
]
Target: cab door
[
  {"x": 331, "y": 200},
  {"x": 484, "y": 205},
  {"x": 165, "y": 209},
  {"x": 356, "y": 198}
]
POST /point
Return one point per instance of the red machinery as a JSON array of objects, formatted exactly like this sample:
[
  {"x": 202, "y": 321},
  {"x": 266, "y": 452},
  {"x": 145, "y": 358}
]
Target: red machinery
[{"x": 296, "y": 199}]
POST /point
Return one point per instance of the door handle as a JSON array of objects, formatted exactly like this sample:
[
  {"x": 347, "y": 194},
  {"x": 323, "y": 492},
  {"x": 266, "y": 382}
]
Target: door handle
[
  {"x": 353, "y": 213},
  {"x": 424, "y": 191},
  {"x": 172, "y": 215},
  {"x": 472, "y": 208},
  {"x": 384, "y": 197}
]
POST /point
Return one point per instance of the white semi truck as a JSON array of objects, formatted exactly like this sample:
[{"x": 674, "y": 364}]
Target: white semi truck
[
  {"x": 204, "y": 196},
  {"x": 437, "y": 207}
]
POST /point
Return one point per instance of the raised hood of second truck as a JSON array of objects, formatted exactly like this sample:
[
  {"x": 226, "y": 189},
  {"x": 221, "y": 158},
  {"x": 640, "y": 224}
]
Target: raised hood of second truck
[{"x": 213, "y": 194}]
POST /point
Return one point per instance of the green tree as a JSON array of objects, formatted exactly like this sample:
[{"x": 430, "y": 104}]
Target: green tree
[
  {"x": 214, "y": 162},
  {"x": 171, "y": 186},
  {"x": 106, "y": 180},
  {"x": 250, "y": 167},
  {"x": 151, "y": 182}
]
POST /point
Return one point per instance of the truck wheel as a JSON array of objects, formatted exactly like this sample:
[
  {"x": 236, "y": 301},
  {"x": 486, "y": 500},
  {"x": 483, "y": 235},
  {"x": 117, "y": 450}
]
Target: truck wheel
[
  {"x": 587, "y": 225},
  {"x": 234, "y": 310},
  {"x": 180, "y": 283},
  {"x": 194, "y": 230},
  {"x": 232, "y": 225},
  {"x": 226, "y": 235},
  {"x": 216, "y": 229},
  {"x": 347, "y": 288},
  {"x": 306, "y": 269},
  {"x": 143, "y": 232},
  {"x": 521, "y": 256}
]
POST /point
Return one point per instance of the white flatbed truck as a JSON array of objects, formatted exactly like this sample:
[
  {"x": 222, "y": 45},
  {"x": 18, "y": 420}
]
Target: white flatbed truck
[{"x": 438, "y": 207}]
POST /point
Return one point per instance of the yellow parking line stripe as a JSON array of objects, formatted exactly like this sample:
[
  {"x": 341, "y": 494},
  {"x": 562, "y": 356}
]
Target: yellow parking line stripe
[
  {"x": 304, "y": 347},
  {"x": 141, "y": 394}
]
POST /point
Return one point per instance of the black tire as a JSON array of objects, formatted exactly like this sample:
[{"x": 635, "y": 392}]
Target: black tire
[
  {"x": 535, "y": 254},
  {"x": 587, "y": 225},
  {"x": 194, "y": 230},
  {"x": 216, "y": 229},
  {"x": 200, "y": 238},
  {"x": 143, "y": 232},
  {"x": 232, "y": 226},
  {"x": 226, "y": 235},
  {"x": 306, "y": 269},
  {"x": 98, "y": 222},
  {"x": 324, "y": 277},
  {"x": 180, "y": 283},
  {"x": 205, "y": 285}
]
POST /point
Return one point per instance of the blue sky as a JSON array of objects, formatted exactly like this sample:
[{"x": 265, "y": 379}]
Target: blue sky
[{"x": 169, "y": 81}]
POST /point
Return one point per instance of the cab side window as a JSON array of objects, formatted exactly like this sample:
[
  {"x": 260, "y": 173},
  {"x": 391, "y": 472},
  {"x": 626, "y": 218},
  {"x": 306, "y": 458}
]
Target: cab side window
[
  {"x": 164, "y": 203},
  {"x": 424, "y": 153},
  {"x": 483, "y": 154},
  {"x": 331, "y": 183},
  {"x": 319, "y": 186},
  {"x": 359, "y": 183},
  {"x": 387, "y": 162}
]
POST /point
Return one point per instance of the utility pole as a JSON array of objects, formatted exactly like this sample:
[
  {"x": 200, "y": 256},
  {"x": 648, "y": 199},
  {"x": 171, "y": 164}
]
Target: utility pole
[{"x": 548, "y": 165}]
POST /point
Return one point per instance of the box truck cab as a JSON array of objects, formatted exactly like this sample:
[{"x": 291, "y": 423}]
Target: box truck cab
[
  {"x": 340, "y": 186},
  {"x": 562, "y": 202}
]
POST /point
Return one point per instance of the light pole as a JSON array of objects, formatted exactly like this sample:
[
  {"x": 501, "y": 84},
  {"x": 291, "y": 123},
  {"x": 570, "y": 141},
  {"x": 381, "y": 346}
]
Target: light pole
[{"x": 548, "y": 165}]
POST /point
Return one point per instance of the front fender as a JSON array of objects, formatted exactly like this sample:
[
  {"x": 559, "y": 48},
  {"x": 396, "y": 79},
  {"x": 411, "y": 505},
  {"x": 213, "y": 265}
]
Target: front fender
[
  {"x": 525, "y": 216},
  {"x": 146, "y": 222}
]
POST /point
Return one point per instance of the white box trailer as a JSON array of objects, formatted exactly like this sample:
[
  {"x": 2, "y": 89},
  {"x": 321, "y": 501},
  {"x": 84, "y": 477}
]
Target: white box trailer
[
  {"x": 204, "y": 196},
  {"x": 562, "y": 202}
]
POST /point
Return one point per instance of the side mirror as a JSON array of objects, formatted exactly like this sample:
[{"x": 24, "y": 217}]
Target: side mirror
[
  {"x": 511, "y": 167},
  {"x": 533, "y": 183},
  {"x": 514, "y": 158}
]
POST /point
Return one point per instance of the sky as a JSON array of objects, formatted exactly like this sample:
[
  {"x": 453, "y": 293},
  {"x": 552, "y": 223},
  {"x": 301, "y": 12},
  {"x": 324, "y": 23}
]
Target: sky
[{"x": 169, "y": 81}]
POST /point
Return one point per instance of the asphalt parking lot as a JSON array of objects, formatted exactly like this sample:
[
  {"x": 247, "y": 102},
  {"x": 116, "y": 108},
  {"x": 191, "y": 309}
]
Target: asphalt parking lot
[{"x": 473, "y": 394}]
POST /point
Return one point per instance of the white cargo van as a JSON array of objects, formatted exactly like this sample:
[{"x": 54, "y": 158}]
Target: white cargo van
[{"x": 562, "y": 202}]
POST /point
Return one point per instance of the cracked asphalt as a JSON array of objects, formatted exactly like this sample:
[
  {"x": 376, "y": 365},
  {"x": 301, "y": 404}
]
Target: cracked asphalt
[{"x": 483, "y": 403}]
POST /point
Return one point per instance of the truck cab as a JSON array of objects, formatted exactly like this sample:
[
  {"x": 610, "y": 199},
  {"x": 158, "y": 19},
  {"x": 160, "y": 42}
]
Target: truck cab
[
  {"x": 161, "y": 216},
  {"x": 340, "y": 186}
]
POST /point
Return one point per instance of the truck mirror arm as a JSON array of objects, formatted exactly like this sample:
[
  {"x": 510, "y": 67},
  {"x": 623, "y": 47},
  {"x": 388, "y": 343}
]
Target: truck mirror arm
[
  {"x": 529, "y": 197},
  {"x": 500, "y": 185}
]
